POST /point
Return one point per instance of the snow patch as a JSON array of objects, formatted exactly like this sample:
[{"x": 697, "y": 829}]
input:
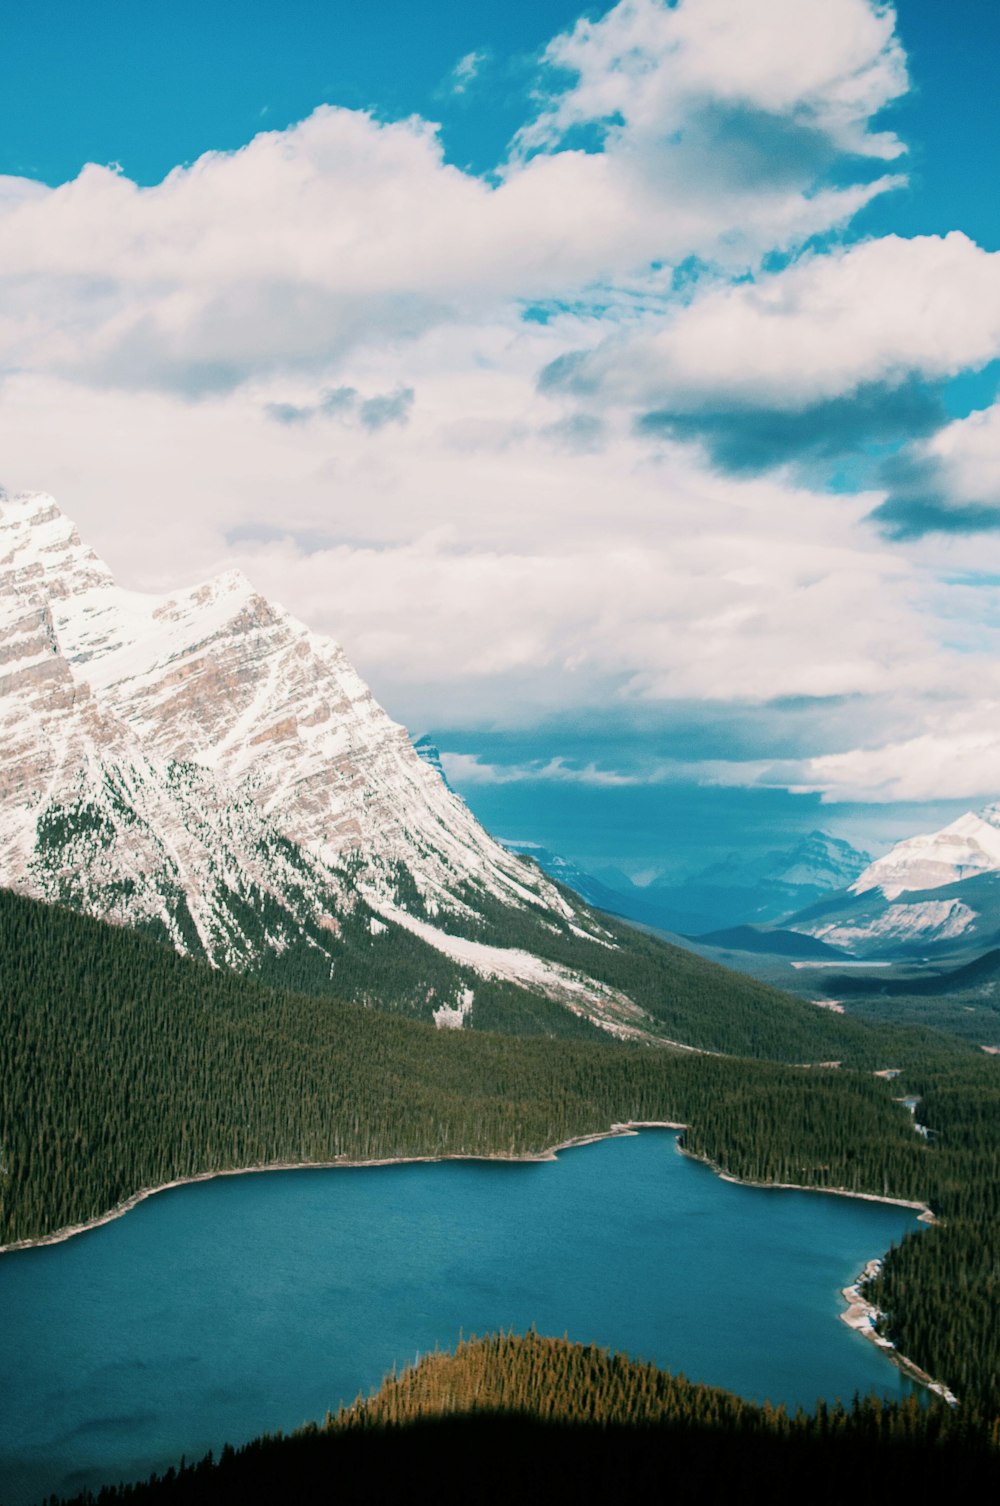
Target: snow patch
[
  {"x": 453, "y": 1018},
  {"x": 604, "y": 1006},
  {"x": 932, "y": 919}
]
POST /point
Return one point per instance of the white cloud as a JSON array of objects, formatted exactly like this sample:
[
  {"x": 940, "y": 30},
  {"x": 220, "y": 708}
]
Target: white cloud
[
  {"x": 343, "y": 231},
  {"x": 465, "y": 769},
  {"x": 468, "y": 769},
  {"x": 469, "y": 559},
  {"x": 646, "y": 67},
  {"x": 962, "y": 461},
  {"x": 878, "y": 311},
  {"x": 958, "y": 758},
  {"x": 465, "y": 71},
  {"x": 176, "y": 360}
]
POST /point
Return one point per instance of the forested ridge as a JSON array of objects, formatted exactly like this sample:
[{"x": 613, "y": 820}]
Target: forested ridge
[
  {"x": 125, "y": 1066},
  {"x": 541, "y": 1419},
  {"x": 684, "y": 997}
]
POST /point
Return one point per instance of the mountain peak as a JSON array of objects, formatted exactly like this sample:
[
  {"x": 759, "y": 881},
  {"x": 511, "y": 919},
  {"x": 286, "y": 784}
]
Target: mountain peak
[
  {"x": 968, "y": 846},
  {"x": 40, "y": 549},
  {"x": 153, "y": 747}
]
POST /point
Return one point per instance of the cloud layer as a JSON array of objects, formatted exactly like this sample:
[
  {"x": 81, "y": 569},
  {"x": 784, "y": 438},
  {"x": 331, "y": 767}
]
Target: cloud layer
[
  {"x": 574, "y": 435},
  {"x": 346, "y": 231}
]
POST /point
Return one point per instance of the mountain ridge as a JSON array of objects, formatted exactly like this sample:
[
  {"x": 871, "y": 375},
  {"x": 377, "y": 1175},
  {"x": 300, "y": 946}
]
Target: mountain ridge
[
  {"x": 741, "y": 890},
  {"x": 202, "y": 765},
  {"x": 936, "y": 892}
]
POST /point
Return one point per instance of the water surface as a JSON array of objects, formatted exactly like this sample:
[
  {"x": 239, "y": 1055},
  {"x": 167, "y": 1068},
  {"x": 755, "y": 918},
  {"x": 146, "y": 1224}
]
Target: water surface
[{"x": 224, "y": 1309}]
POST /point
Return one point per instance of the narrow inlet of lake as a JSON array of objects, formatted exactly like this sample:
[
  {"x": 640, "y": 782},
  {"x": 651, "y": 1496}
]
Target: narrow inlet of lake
[{"x": 224, "y": 1309}]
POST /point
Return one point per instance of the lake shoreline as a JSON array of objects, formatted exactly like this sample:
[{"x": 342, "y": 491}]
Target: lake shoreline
[
  {"x": 550, "y": 1153},
  {"x": 858, "y": 1314},
  {"x": 924, "y": 1214},
  {"x": 862, "y": 1316},
  {"x": 342, "y": 1163}
]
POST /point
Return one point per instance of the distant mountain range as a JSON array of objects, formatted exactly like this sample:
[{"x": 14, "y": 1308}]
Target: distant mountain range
[
  {"x": 934, "y": 894},
  {"x": 742, "y": 890}
]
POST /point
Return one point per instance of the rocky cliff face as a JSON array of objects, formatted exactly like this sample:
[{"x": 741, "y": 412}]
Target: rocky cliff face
[{"x": 204, "y": 765}]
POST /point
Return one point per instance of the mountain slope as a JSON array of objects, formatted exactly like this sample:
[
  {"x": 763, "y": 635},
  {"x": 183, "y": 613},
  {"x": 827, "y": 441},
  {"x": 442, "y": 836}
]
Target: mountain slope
[
  {"x": 935, "y": 893},
  {"x": 124, "y": 1065},
  {"x": 203, "y": 767},
  {"x": 216, "y": 676}
]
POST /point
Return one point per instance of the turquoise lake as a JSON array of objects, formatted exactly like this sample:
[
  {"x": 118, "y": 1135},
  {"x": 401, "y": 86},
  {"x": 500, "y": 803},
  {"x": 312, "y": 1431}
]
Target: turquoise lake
[{"x": 228, "y": 1308}]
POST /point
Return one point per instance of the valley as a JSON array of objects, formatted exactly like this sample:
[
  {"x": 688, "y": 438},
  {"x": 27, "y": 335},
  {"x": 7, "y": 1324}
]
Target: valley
[
  {"x": 499, "y": 748},
  {"x": 245, "y": 925}
]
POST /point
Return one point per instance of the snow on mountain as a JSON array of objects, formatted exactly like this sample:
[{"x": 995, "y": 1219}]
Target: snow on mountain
[
  {"x": 744, "y": 890},
  {"x": 923, "y": 922},
  {"x": 969, "y": 846},
  {"x": 204, "y": 764},
  {"x": 819, "y": 861},
  {"x": 606, "y": 1006},
  {"x": 938, "y": 890}
]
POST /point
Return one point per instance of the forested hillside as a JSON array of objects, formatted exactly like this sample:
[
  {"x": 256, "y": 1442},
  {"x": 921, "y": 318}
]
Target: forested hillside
[
  {"x": 537, "y": 1419},
  {"x": 125, "y": 1066}
]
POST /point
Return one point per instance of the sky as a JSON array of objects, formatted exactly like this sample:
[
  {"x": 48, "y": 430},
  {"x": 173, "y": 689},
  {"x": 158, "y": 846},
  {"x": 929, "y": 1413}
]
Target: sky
[{"x": 619, "y": 385}]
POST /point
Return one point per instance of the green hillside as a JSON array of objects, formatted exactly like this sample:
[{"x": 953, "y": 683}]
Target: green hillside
[
  {"x": 125, "y": 1066},
  {"x": 685, "y": 997},
  {"x": 536, "y": 1419}
]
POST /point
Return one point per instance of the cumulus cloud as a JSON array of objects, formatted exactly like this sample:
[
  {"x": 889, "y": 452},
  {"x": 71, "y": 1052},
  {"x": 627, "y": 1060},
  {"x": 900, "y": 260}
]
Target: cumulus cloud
[
  {"x": 826, "y": 327},
  {"x": 345, "y": 232},
  {"x": 649, "y": 69},
  {"x": 467, "y": 558},
  {"x": 957, "y": 760},
  {"x": 947, "y": 485},
  {"x": 319, "y": 357}
]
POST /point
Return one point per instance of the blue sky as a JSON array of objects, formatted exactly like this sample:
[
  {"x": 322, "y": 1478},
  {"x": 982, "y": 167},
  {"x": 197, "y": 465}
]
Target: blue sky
[{"x": 619, "y": 386}]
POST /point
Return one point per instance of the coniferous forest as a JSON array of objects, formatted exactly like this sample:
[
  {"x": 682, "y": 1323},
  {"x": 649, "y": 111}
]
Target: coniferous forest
[
  {"x": 124, "y": 1066},
  {"x": 540, "y": 1419}
]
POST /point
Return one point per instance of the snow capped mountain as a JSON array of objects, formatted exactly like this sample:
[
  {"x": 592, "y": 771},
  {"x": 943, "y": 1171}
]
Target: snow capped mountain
[
  {"x": 819, "y": 861},
  {"x": 745, "y": 889},
  {"x": 938, "y": 890},
  {"x": 969, "y": 846},
  {"x": 204, "y": 765}
]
